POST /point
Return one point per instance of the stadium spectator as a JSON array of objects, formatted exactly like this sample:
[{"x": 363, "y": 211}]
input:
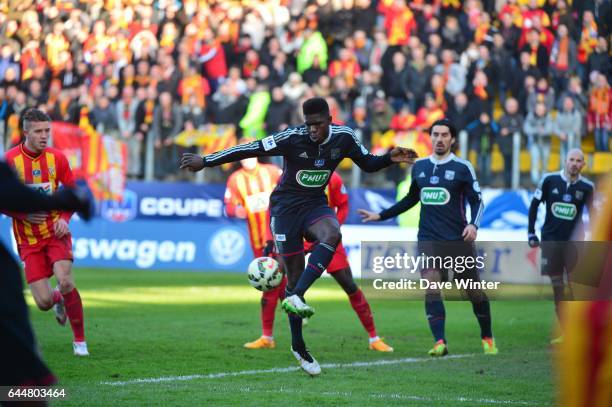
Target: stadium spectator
[
  {"x": 126, "y": 117},
  {"x": 460, "y": 111},
  {"x": 599, "y": 60},
  {"x": 482, "y": 132},
  {"x": 511, "y": 122},
  {"x": 538, "y": 55},
  {"x": 167, "y": 123},
  {"x": 538, "y": 127},
  {"x": 419, "y": 74},
  {"x": 396, "y": 45},
  {"x": 542, "y": 93},
  {"x": 403, "y": 120},
  {"x": 567, "y": 127},
  {"x": 562, "y": 58},
  {"x": 600, "y": 111},
  {"x": 588, "y": 41},
  {"x": 382, "y": 113},
  {"x": 396, "y": 82},
  {"x": 279, "y": 112},
  {"x": 452, "y": 73},
  {"x": 312, "y": 74}
]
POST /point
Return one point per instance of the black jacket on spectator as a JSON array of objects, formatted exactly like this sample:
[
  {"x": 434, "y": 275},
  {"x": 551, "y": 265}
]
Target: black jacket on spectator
[
  {"x": 512, "y": 123},
  {"x": 365, "y": 18},
  {"x": 600, "y": 62},
  {"x": 419, "y": 81},
  {"x": 278, "y": 113},
  {"x": 70, "y": 79},
  {"x": 395, "y": 84},
  {"x": 542, "y": 58},
  {"x": 511, "y": 38},
  {"x": 518, "y": 78},
  {"x": 230, "y": 114},
  {"x": 312, "y": 75},
  {"x": 461, "y": 116}
]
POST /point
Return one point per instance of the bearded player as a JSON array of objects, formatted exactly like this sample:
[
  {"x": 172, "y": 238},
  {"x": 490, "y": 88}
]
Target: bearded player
[{"x": 43, "y": 238}]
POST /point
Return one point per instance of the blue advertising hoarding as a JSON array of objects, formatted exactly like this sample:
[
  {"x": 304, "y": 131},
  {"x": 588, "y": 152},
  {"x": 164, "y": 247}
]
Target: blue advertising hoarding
[{"x": 183, "y": 226}]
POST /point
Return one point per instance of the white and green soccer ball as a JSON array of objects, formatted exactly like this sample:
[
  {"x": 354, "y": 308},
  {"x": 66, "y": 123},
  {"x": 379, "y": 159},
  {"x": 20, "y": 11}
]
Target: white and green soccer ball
[{"x": 264, "y": 273}]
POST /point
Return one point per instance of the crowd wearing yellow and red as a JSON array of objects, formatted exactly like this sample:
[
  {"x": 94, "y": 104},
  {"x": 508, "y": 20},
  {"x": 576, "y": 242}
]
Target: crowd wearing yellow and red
[{"x": 152, "y": 70}]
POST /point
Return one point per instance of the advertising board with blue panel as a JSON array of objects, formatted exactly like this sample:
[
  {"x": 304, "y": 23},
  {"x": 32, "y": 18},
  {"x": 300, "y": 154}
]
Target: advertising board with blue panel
[{"x": 182, "y": 226}]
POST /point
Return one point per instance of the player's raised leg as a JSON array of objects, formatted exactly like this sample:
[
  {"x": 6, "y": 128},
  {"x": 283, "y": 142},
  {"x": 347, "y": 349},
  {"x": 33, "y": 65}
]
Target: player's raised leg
[
  {"x": 72, "y": 302},
  {"x": 326, "y": 230},
  {"x": 344, "y": 278}
]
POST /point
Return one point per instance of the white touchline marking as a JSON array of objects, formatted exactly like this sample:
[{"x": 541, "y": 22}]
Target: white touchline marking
[
  {"x": 278, "y": 370},
  {"x": 394, "y": 396}
]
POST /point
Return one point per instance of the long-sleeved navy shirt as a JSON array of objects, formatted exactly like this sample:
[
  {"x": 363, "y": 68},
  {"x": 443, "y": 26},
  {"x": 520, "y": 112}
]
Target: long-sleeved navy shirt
[
  {"x": 443, "y": 188},
  {"x": 307, "y": 166}
]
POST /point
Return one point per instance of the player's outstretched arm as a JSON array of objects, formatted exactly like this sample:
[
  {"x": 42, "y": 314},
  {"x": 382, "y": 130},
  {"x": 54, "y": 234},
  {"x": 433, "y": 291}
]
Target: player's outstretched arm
[
  {"x": 271, "y": 145},
  {"x": 372, "y": 163},
  {"x": 411, "y": 199},
  {"x": 17, "y": 197}
]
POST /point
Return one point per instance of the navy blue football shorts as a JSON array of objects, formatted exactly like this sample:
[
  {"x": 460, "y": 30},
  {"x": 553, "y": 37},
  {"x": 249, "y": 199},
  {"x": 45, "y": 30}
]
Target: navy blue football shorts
[{"x": 288, "y": 230}]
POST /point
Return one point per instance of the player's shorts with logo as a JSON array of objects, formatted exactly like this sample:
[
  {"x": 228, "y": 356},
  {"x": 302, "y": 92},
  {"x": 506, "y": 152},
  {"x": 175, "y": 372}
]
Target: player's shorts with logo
[
  {"x": 338, "y": 262},
  {"x": 39, "y": 259},
  {"x": 289, "y": 229},
  {"x": 441, "y": 253}
]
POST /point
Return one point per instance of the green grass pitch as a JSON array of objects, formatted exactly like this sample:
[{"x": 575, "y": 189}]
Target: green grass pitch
[{"x": 188, "y": 328}]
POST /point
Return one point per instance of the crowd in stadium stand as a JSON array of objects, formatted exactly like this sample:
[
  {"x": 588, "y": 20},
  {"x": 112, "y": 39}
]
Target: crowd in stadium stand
[{"x": 144, "y": 69}]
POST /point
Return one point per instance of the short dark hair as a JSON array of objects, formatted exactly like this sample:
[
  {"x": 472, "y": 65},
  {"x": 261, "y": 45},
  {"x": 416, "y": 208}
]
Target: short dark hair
[
  {"x": 445, "y": 122},
  {"x": 33, "y": 115},
  {"x": 315, "y": 106}
]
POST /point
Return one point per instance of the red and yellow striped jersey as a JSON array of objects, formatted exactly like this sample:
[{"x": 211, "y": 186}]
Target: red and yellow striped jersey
[
  {"x": 251, "y": 189},
  {"x": 43, "y": 172},
  {"x": 337, "y": 197}
]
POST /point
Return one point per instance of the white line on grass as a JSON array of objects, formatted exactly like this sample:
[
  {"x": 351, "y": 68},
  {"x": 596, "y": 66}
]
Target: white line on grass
[
  {"x": 380, "y": 396},
  {"x": 276, "y": 370}
]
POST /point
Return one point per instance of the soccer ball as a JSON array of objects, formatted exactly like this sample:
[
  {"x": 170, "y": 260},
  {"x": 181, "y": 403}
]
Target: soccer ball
[{"x": 264, "y": 273}]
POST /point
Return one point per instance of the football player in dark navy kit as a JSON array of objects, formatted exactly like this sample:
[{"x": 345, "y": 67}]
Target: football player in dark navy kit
[
  {"x": 298, "y": 205},
  {"x": 565, "y": 193},
  {"x": 442, "y": 183}
]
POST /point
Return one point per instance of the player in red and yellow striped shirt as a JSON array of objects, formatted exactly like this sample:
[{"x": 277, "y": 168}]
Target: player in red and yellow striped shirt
[
  {"x": 43, "y": 238},
  {"x": 247, "y": 196}
]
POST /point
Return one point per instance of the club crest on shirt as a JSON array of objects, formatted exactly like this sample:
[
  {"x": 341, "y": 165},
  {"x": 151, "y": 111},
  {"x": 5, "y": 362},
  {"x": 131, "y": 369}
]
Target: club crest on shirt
[
  {"x": 434, "y": 179},
  {"x": 449, "y": 175},
  {"x": 567, "y": 198},
  {"x": 579, "y": 195},
  {"x": 335, "y": 153},
  {"x": 52, "y": 171}
]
